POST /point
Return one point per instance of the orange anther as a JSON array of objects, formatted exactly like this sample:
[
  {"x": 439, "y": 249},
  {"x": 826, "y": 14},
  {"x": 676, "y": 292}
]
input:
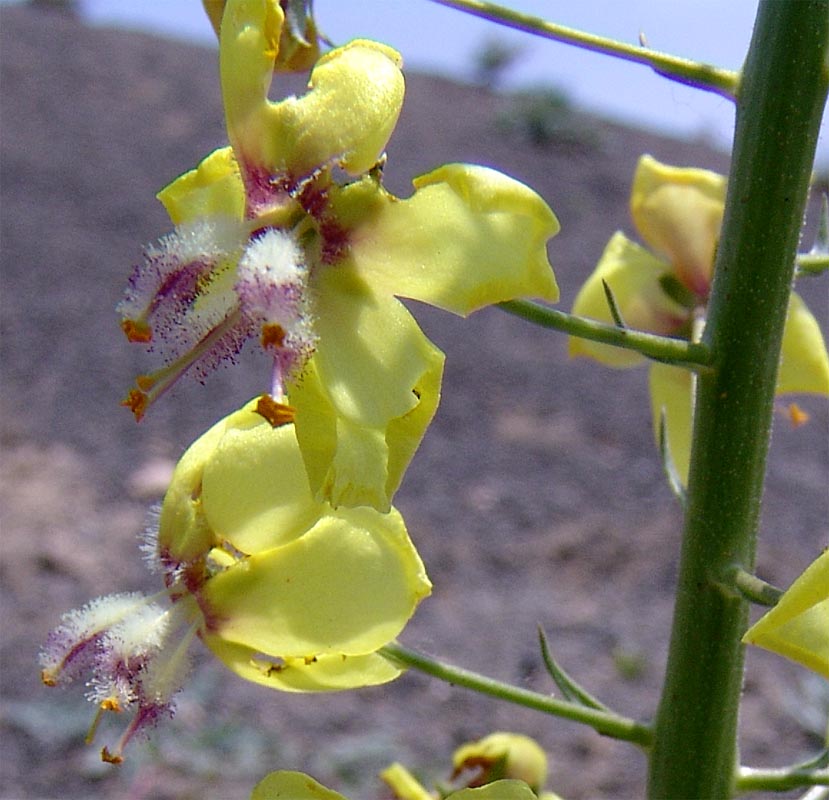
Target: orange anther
[
  {"x": 137, "y": 330},
  {"x": 797, "y": 416},
  {"x": 277, "y": 414},
  {"x": 111, "y": 758},
  {"x": 273, "y": 335},
  {"x": 136, "y": 401},
  {"x": 48, "y": 678}
]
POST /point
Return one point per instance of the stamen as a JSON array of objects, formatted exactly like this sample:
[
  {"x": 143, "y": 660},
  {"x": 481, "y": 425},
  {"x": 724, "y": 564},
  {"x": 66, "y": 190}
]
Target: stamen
[
  {"x": 137, "y": 331},
  {"x": 96, "y": 721},
  {"x": 110, "y": 758},
  {"x": 277, "y": 380},
  {"x": 150, "y": 387},
  {"x": 72, "y": 647},
  {"x": 48, "y": 678},
  {"x": 276, "y": 413},
  {"x": 273, "y": 335}
]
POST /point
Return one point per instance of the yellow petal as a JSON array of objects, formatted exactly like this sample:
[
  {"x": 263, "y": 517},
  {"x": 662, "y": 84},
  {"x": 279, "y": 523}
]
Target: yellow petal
[
  {"x": 347, "y": 117},
  {"x": 213, "y": 188},
  {"x": 298, "y": 42},
  {"x": 468, "y": 237},
  {"x": 183, "y": 532},
  {"x": 347, "y": 586},
  {"x": 352, "y": 463},
  {"x": 672, "y": 390},
  {"x": 499, "y": 790},
  {"x": 404, "y": 433},
  {"x": 248, "y": 46},
  {"x": 804, "y": 362},
  {"x": 632, "y": 274},
  {"x": 798, "y": 626},
  {"x": 323, "y": 673},
  {"x": 255, "y": 493},
  {"x": 373, "y": 384},
  {"x": 242, "y": 482},
  {"x": 285, "y": 785},
  {"x": 678, "y": 212},
  {"x": 371, "y": 352}
]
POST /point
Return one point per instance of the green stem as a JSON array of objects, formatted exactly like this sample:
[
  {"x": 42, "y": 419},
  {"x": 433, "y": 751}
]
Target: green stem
[
  {"x": 692, "y": 73},
  {"x": 779, "y": 780},
  {"x": 812, "y": 264},
  {"x": 782, "y": 97},
  {"x": 603, "y": 721},
  {"x": 754, "y": 589},
  {"x": 679, "y": 352}
]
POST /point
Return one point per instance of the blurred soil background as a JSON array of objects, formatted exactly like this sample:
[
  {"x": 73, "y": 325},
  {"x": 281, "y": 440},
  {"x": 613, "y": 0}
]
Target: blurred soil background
[{"x": 536, "y": 499}]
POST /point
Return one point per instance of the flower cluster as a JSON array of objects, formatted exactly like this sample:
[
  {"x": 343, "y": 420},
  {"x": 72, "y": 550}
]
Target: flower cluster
[
  {"x": 270, "y": 243},
  {"x": 665, "y": 290},
  {"x": 277, "y": 542}
]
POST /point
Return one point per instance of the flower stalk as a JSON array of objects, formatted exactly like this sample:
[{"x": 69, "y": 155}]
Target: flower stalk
[
  {"x": 781, "y": 101},
  {"x": 679, "y": 352},
  {"x": 780, "y": 780},
  {"x": 691, "y": 73},
  {"x": 603, "y": 721}
]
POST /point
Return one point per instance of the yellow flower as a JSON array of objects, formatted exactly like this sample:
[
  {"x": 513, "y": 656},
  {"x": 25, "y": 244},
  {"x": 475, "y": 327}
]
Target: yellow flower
[
  {"x": 287, "y": 785},
  {"x": 798, "y": 626},
  {"x": 678, "y": 212},
  {"x": 271, "y": 242},
  {"x": 299, "y": 40},
  {"x": 498, "y": 766},
  {"x": 502, "y": 755},
  {"x": 287, "y": 591}
]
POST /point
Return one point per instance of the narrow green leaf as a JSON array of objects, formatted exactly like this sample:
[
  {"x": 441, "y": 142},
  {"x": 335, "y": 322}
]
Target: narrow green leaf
[
  {"x": 567, "y": 686},
  {"x": 614, "y": 307}
]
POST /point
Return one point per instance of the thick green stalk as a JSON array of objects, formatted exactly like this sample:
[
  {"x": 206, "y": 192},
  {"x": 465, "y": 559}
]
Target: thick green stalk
[{"x": 780, "y": 104}]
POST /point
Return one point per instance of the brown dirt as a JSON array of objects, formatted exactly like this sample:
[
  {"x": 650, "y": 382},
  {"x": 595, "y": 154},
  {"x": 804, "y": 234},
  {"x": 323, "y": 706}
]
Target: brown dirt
[{"x": 536, "y": 498}]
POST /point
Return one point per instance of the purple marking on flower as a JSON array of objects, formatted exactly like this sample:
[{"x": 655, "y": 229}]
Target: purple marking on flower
[
  {"x": 264, "y": 191},
  {"x": 226, "y": 346},
  {"x": 161, "y": 290},
  {"x": 64, "y": 657},
  {"x": 175, "y": 298},
  {"x": 134, "y": 652},
  {"x": 146, "y": 718},
  {"x": 334, "y": 241},
  {"x": 273, "y": 293},
  {"x": 73, "y": 647}
]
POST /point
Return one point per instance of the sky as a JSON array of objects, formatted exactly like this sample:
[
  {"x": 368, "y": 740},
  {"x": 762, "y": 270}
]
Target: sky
[{"x": 437, "y": 39}]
